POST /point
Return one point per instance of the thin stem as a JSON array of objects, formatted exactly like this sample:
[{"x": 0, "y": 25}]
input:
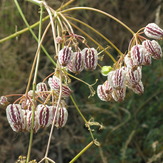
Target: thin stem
[
  {"x": 99, "y": 45},
  {"x": 94, "y": 30},
  {"x": 102, "y": 12},
  {"x": 30, "y": 29},
  {"x": 34, "y": 87},
  {"x": 82, "y": 151},
  {"x": 86, "y": 122}
]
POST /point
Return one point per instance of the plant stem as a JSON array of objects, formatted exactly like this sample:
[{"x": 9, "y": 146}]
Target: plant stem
[
  {"x": 34, "y": 87},
  {"x": 82, "y": 151},
  {"x": 100, "y": 34},
  {"x": 30, "y": 29},
  {"x": 100, "y": 46},
  {"x": 102, "y": 12}
]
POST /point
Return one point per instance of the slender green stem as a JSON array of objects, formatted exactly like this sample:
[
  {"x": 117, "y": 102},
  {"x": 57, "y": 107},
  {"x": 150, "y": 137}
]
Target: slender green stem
[
  {"x": 30, "y": 29},
  {"x": 86, "y": 122},
  {"x": 99, "y": 45},
  {"x": 97, "y": 32},
  {"x": 34, "y": 87},
  {"x": 82, "y": 151},
  {"x": 102, "y": 12}
]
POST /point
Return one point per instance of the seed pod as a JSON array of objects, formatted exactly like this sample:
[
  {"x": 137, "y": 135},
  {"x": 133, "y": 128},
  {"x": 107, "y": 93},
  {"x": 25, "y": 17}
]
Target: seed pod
[
  {"x": 54, "y": 83},
  {"x": 60, "y": 116},
  {"x": 147, "y": 59},
  {"x": 28, "y": 121},
  {"x": 119, "y": 94},
  {"x": 137, "y": 88},
  {"x": 153, "y": 48},
  {"x": 41, "y": 89},
  {"x": 76, "y": 65},
  {"x": 117, "y": 78},
  {"x": 3, "y": 100},
  {"x": 137, "y": 55},
  {"x": 44, "y": 115},
  {"x": 152, "y": 30},
  {"x": 64, "y": 56},
  {"x": 128, "y": 61},
  {"x": 90, "y": 58},
  {"x": 103, "y": 94},
  {"x": 15, "y": 116},
  {"x": 133, "y": 76}
]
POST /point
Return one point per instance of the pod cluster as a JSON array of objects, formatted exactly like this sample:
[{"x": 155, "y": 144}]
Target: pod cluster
[
  {"x": 130, "y": 75},
  {"x": 19, "y": 115},
  {"x": 78, "y": 61}
]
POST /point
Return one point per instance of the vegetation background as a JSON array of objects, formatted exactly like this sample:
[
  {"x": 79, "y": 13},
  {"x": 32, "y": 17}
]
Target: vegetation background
[{"x": 133, "y": 129}]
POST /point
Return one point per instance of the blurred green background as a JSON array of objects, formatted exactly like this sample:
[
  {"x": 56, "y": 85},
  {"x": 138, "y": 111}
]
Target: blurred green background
[{"x": 133, "y": 129}]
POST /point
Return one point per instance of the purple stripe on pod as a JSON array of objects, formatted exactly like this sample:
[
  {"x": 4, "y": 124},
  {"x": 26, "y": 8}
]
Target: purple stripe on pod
[
  {"x": 15, "y": 116},
  {"x": 119, "y": 94},
  {"x": 90, "y": 58},
  {"x": 153, "y": 48},
  {"x": 65, "y": 55},
  {"x": 133, "y": 75},
  {"x": 41, "y": 89},
  {"x": 152, "y": 30},
  {"x": 137, "y": 55}
]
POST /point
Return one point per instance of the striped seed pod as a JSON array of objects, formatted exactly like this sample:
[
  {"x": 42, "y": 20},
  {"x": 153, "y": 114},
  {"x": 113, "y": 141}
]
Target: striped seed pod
[
  {"x": 28, "y": 121},
  {"x": 133, "y": 76},
  {"x": 138, "y": 88},
  {"x": 64, "y": 55},
  {"x": 147, "y": 59},
  {"x": 76, "y": 65},
  {"x": 15, "y": 117},
  {"x": 117, "y": 78},
  {"x": 137, "y": 55},
  {"x": 128, "y": 61},
  {"x": 153, "y": 48},
  {"x": 44, "y": 115},
  {"x": 41, "y": 89},
  {"x": 54, "y": 83},
  {"x": 3, "y": 100},
  {"x": 152, "y": 30},
  {"x": 60, "y": 116},
  {"x": 119, "y": 94},
  {"x": 90, "y": 58},
  {"x": 103, "y": 94}
]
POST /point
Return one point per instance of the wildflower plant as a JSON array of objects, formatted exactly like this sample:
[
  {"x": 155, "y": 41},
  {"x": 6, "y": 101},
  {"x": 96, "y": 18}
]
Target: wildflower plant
[{"x": 43, "y": 104}]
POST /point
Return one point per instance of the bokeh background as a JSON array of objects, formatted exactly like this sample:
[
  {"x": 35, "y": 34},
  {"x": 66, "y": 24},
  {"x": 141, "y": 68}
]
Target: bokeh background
[{"x": 133, "y": 129}]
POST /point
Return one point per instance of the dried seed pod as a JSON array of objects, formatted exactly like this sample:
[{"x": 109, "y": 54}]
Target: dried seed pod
[
  {"x": 152, "y": 30},
  {"x": 119, "y": 94},
  {"x": 147, "y": 59},
  {"x": 133, "y": 76},
  {"x": 117, "y": 78},
  {"x": 54, "y": 83},
  {"x": 41, "y": 89},
  {"x": 137, "y": 55},
  {"x": 64, "y": 55},
  {"x": 153, "y": 48},
  {"x": 103, "y": 94},
  {"x": 3, "y": 100},
  {"x": 137, "y": 88},
  {"x": 60, "y": 116},
  {"x": 44, "y": 115},
  {"x": 128, "y": 61},
  {"x": 90, "y": 58},
  {"x": 76, "y": 65},
  {"x": 15, "y": 116},
  {"x": 28, "y": 121}
]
